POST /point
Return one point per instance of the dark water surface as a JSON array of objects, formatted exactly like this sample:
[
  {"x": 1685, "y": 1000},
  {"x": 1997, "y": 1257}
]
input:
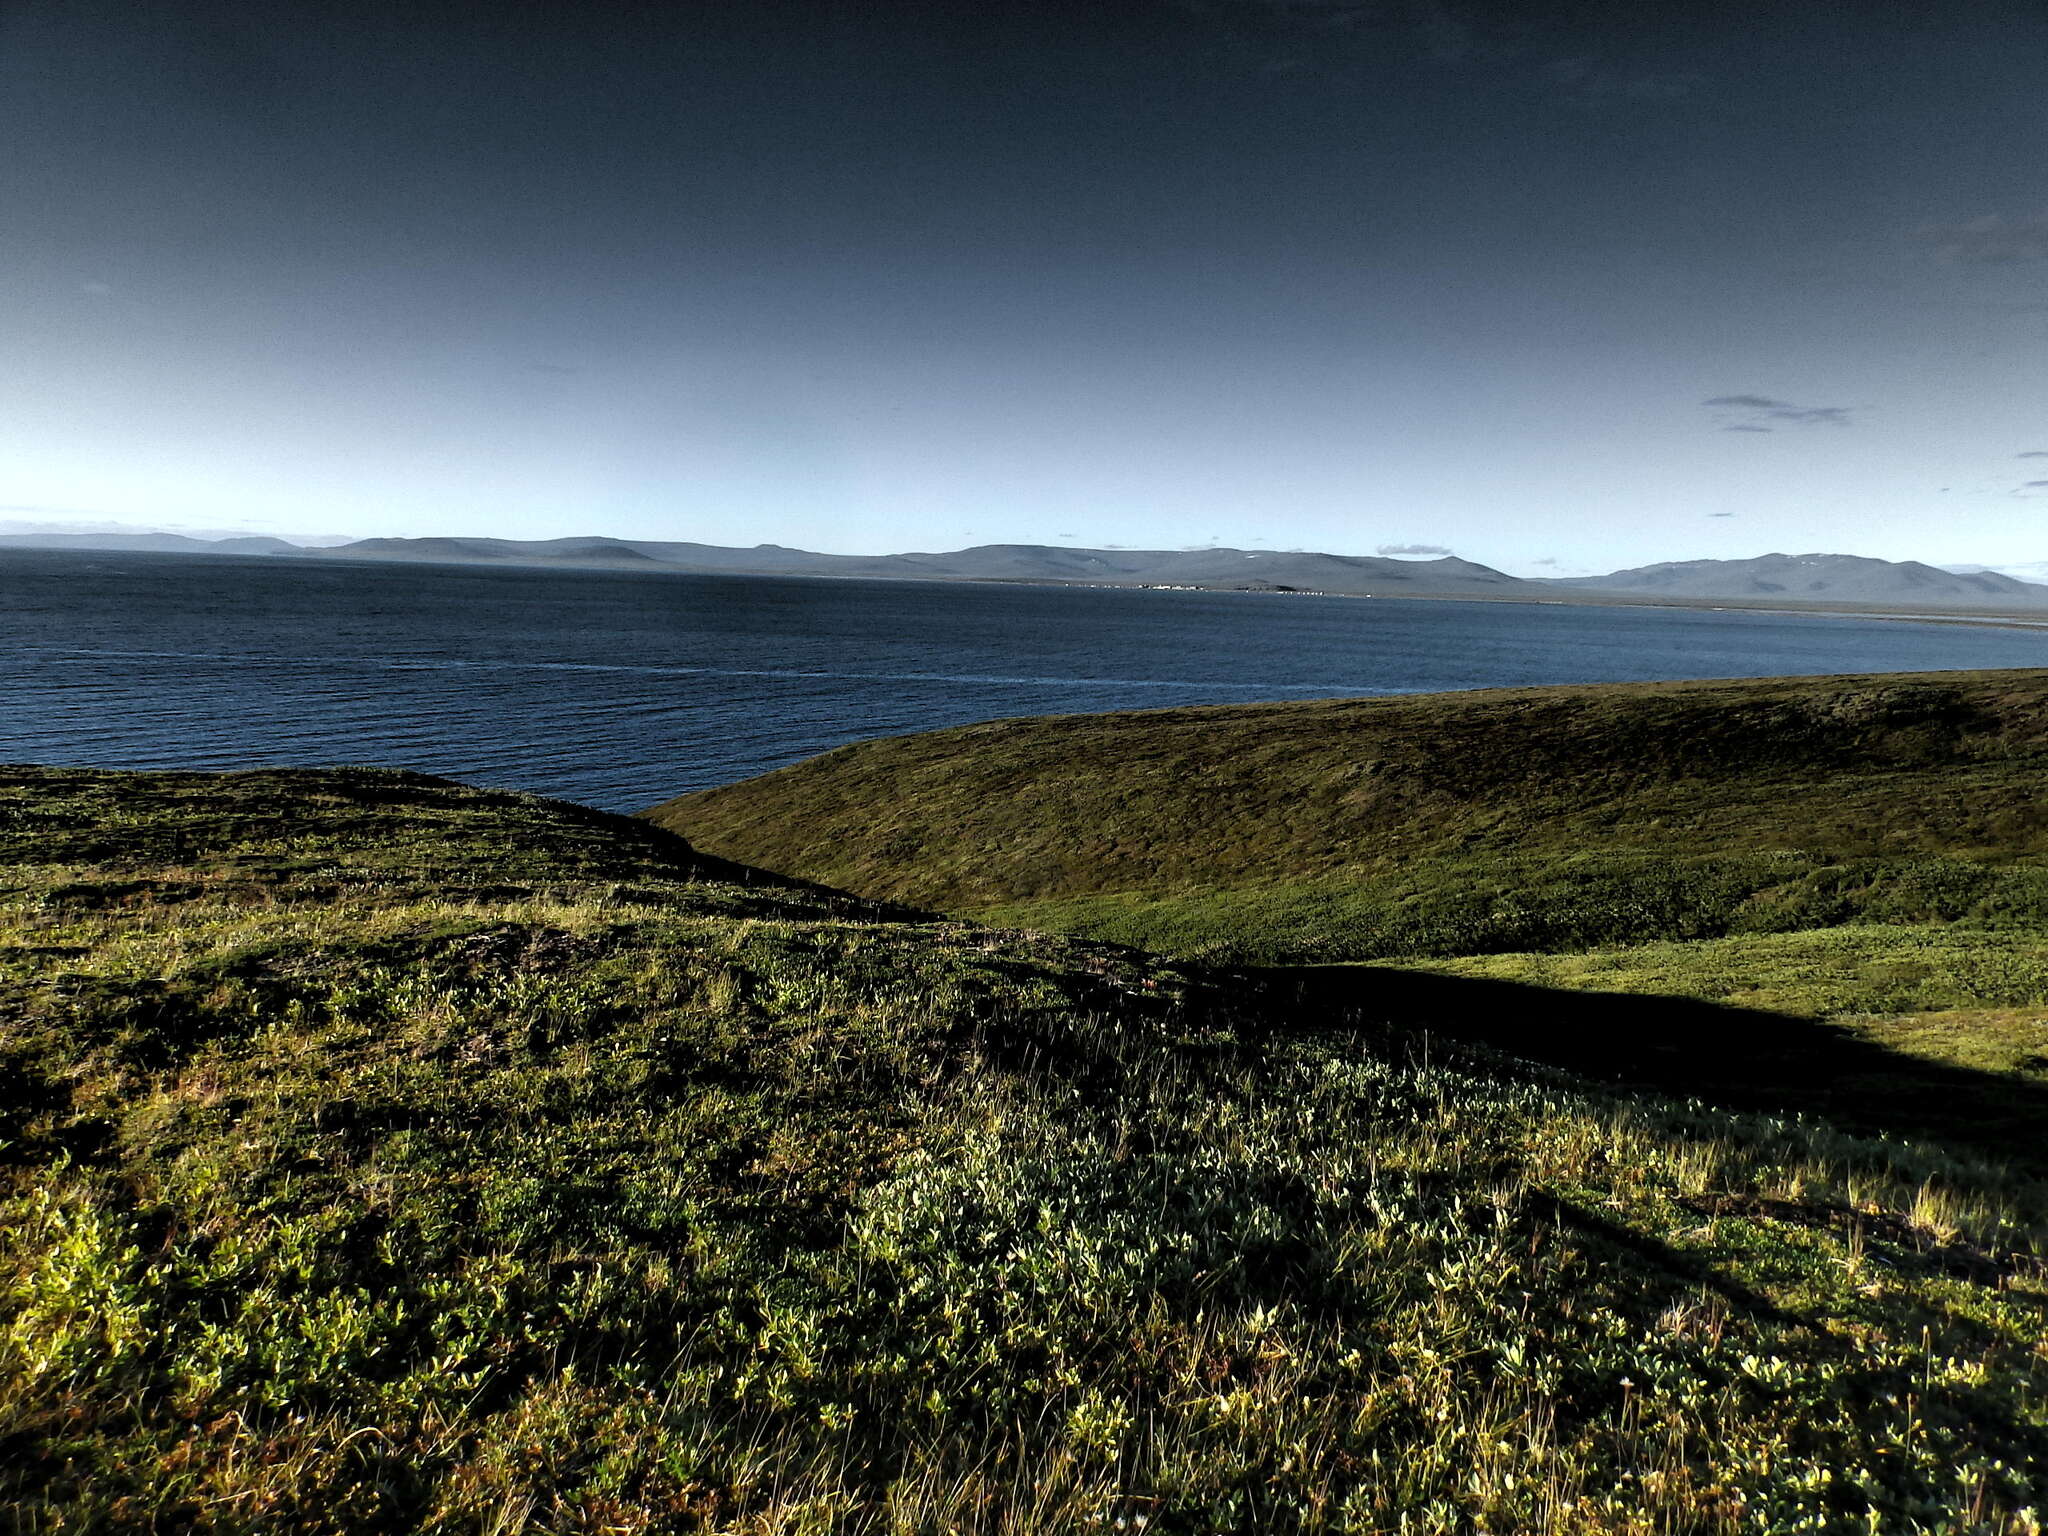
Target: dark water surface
[{"x": 621, "y": 689}]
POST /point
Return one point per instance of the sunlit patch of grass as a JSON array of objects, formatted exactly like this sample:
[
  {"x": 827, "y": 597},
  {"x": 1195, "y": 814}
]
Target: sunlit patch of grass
[
  {"x": 1975, "y": 985},
  {"x": 2005, "y": 1041}
]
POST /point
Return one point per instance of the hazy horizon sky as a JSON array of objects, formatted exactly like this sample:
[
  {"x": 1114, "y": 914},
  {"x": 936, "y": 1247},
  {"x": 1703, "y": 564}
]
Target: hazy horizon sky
[{"x": 1558, "y": 287}]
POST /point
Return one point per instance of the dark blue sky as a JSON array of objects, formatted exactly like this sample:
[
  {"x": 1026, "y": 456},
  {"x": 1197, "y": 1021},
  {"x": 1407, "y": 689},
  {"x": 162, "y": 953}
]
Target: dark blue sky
[{"x": 1535, "y": 283}]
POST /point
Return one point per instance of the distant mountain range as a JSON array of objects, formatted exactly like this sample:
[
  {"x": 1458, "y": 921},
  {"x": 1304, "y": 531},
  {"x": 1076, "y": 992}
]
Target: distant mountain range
[
  {"x": 2025, "y": 570},
  {"x": 1231, "y": 568},
  {"x": 155, "y": 543},
  {"x": 1809, "y": 578},
  {"x": 1831, "y": 578},
  {"x": 1263, "y": 570}
]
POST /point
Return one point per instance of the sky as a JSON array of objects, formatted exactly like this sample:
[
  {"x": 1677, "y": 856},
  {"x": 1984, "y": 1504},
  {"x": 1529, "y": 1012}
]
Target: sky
[{"x": 1559, "y": 287}]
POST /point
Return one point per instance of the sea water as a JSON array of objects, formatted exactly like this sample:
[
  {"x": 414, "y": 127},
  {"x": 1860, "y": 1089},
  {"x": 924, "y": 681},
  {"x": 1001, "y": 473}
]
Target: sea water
[{"x": 620, "y": 689}]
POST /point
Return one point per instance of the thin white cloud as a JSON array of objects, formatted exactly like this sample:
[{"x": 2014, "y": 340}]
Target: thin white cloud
[
  {"x": 1992, "y": 241},
  {"x": 1755, "y": 413}
]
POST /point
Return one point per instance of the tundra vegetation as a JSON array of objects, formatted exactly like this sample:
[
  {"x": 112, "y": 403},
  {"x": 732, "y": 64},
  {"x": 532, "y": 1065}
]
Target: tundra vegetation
[
  {"x": 383, "y": 1154},
  {"x": 1849, "y": 875},
  {"x": 1531, "y": 819}
]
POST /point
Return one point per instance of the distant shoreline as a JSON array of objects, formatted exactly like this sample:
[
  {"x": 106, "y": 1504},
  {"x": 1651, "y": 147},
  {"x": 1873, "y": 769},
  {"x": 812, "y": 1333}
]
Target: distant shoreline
[
  {"x": 1583, "y": 597},
  {"x": 1551, "y": 597}
]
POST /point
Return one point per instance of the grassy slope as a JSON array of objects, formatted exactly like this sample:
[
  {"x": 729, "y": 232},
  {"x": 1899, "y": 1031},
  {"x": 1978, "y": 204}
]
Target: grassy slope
[
  {"x": 1528, "y": 819},
  {"x": 385, "y": 1155}
]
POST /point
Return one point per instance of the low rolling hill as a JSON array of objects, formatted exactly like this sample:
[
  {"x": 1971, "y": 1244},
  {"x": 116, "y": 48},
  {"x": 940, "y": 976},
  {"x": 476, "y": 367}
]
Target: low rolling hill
[
  {"x": 458, "y": 551},
  {"x": 1361, "y": 575},
  {"x": 1867, "y": 853},
  {"x": 1466, "y": 823},
  {"x": 1823, "y": 578},
  {"x": 153, "y": 543},
  {"x": 384, "y": 1155}
]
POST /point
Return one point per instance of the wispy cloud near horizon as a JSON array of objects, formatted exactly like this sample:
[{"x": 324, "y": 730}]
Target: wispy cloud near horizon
[
  {"x": 1758, "y": 411},
  {"x": 1992, "y": 241}
]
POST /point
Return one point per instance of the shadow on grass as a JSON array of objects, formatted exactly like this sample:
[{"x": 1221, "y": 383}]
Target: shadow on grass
[{"x": 1739, "y": 1057}]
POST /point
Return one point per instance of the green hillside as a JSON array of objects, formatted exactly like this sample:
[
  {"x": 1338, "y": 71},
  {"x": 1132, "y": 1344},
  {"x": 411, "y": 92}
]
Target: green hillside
[
  {"x": 382, "y": 1155},
  {"x": 1548, "y": 819}
]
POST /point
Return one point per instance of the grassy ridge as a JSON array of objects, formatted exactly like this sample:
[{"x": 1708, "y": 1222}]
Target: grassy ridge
[
  {"x": 384, "y": 1155},
  {"x": 1528, "y": 819}
]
